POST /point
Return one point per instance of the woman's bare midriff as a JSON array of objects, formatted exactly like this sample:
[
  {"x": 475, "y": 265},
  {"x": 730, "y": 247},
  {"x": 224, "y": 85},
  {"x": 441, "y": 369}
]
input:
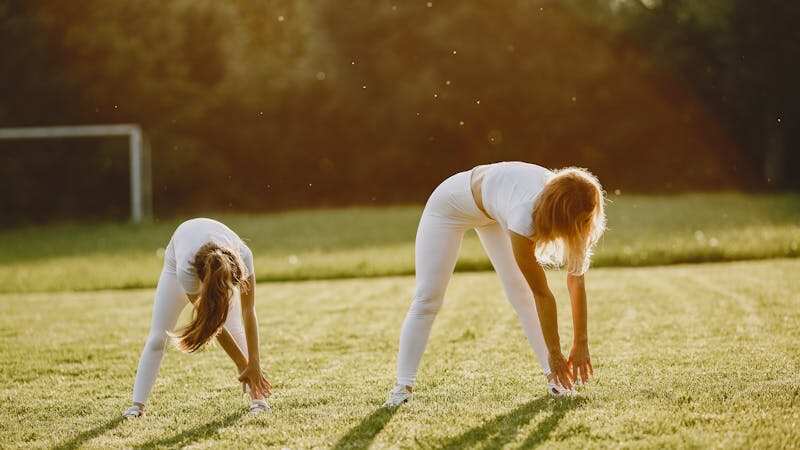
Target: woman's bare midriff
[{"x": 475, "y": 184}]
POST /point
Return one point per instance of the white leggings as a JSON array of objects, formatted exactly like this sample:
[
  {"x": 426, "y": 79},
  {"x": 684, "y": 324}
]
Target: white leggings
[
  {"x": 451, "y": 211},
  {"x": 170, "y": 301}
]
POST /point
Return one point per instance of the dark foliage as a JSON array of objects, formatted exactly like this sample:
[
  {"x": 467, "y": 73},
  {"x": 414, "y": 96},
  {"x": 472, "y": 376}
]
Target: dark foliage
[{"x": 268, "y": 105}]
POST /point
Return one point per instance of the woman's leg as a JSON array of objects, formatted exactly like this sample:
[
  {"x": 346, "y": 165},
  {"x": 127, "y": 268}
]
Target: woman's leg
[
  {"x": 436, "y": 253},
  {"x": 170, "y": 301},
  {"x": 497, "y": 244},
  {"x": 234, "y": 325}
]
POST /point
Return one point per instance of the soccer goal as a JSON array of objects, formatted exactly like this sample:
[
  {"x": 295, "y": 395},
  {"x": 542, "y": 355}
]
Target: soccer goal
[{"x": 139, "y": 152}]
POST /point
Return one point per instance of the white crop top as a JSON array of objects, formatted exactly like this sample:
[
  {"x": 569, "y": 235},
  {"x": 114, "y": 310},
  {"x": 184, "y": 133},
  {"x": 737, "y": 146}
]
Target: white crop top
[
  {"x": 187, "y": 240},
  {"x": 509, "y": 191}
]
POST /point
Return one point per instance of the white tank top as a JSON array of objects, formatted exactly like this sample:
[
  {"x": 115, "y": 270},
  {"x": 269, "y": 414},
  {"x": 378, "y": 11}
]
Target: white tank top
[
  {"x": 509, "y": 191},
  {"x": 187, "y": 240}
]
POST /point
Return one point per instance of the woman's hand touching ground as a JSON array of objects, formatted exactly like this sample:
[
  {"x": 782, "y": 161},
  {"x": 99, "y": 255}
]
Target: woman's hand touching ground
[
  {"x": 580, "y": 364},
  {"x": 253, "y": 376},
  {"x": 559, "y": 370}
]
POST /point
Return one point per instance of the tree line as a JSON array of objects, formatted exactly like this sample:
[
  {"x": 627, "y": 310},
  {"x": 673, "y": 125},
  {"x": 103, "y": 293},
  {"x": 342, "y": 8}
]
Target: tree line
[{"x": 265, "y": 105}]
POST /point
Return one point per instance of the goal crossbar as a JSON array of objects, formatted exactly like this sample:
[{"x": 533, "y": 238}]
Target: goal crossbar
[{"x": 139, "y": 152}]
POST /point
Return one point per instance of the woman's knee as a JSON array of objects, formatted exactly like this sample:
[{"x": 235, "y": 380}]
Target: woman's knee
[
  {"x": 238, "y": 334},
  {"x": 427, "y": 304},
  {"x": 520, "y": 295},
  {"x": 156, "y": 343}
]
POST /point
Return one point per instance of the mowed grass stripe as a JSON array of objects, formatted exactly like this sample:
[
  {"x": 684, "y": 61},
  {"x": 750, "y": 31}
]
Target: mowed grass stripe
[
  {"x": 673, "y": 369},
  {"x": 371, "y": 242}
]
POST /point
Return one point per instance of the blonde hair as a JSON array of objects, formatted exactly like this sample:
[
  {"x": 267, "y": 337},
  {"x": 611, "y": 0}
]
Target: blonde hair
[
  {"x": 220, "y": 270},
  {"x": 568, "y": 220}
]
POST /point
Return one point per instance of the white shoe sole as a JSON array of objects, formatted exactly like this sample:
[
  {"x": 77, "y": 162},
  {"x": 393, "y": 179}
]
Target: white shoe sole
[
  {"x": 390, "y": 404},
  {"x": 557, "y": 391}
]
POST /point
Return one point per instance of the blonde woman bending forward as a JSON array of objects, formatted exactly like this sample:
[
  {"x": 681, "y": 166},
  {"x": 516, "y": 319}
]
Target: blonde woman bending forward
[
  {"x": 208, "y": 265},
  {"x": 526, "y": 217}
]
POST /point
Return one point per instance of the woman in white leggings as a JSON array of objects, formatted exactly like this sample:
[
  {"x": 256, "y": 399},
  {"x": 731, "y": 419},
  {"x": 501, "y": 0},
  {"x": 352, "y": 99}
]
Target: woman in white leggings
[
  {"x": 206, "y": 264},
  {"x": 525, "y": 216}
]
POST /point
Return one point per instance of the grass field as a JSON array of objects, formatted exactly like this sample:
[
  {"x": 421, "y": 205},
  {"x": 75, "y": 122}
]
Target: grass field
[
  {"x": 685, "y": 356},
  {"x": 341, "y": 243}
]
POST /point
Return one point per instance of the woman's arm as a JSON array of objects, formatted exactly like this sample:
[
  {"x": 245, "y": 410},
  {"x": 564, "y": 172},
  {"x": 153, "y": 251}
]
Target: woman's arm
[
  {"x": 252, "y": 373},
  {"x": 579, "y": 361},
  {"x": 545, "y": 305},
  {"x": 228, "y": 344}
]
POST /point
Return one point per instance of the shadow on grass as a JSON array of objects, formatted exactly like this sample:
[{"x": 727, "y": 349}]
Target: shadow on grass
[
  {"x": 504, "y": 428},
  {"x": 362, "y": 435},
  {"x": 80, "y": 439},
  {"x": 195, "y": 434}
]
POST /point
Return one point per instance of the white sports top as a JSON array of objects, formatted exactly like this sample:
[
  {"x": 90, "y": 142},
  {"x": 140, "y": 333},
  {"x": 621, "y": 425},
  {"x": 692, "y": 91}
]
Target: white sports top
[
  {"x": 187, "y": 240},
  {"x": 509, "y": 191}
]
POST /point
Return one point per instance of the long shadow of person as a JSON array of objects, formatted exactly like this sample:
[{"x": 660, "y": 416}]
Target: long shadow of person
[
  {"x": 362, "y": 435},
  {"x": 504, "y": 428},
  {"x": 195, "y": 434},
  {"x": 88, "y": 435}
]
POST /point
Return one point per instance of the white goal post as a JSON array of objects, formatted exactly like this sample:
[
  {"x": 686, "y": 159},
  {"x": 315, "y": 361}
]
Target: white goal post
[{"x": 139, "y": 152}]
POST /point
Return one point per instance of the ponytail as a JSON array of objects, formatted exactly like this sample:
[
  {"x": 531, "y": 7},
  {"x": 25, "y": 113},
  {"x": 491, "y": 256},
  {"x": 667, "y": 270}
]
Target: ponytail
[{"x": 220, "y": 271}]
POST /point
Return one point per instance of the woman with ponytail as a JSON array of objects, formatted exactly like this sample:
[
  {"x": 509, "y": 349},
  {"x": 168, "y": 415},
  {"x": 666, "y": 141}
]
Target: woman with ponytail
[
  {"x": 207, "y": 264},
  {"x": 527, "y": 218}
]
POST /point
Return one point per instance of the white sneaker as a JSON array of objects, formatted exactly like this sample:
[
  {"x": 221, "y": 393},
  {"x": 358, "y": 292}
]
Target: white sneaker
[
  {"x": 398, "y": 396},
  {"x": 556, "y": 390},
  {"x": 259, "y": 406},
  {"x": 133, "y": 412}
]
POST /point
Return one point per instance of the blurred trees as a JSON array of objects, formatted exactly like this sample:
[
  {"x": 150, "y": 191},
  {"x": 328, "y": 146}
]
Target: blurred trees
[
  {"x": 741, "y": 57},
  {"x": 272, "y": 104}
]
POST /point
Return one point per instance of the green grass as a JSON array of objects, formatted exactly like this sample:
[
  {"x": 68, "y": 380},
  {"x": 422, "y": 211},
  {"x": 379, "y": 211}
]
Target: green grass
[
  {"x": 361, "y": 242},
  {"x": 686, "y": 356}
]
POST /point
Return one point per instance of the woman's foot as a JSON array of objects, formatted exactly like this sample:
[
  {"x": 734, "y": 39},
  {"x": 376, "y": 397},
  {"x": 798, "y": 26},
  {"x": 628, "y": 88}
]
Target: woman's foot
[
  {"x": 259, "y": 406},
  {"x": 133, "y": 412},
  {"x": 399, "y": 395},
  {"x": 556, "y": 390}
]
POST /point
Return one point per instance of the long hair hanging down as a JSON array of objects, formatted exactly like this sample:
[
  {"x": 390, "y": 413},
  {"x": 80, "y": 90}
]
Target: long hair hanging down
[
  {"x": 569, "y": 218},
  {"x": 220, "y": 270}
]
